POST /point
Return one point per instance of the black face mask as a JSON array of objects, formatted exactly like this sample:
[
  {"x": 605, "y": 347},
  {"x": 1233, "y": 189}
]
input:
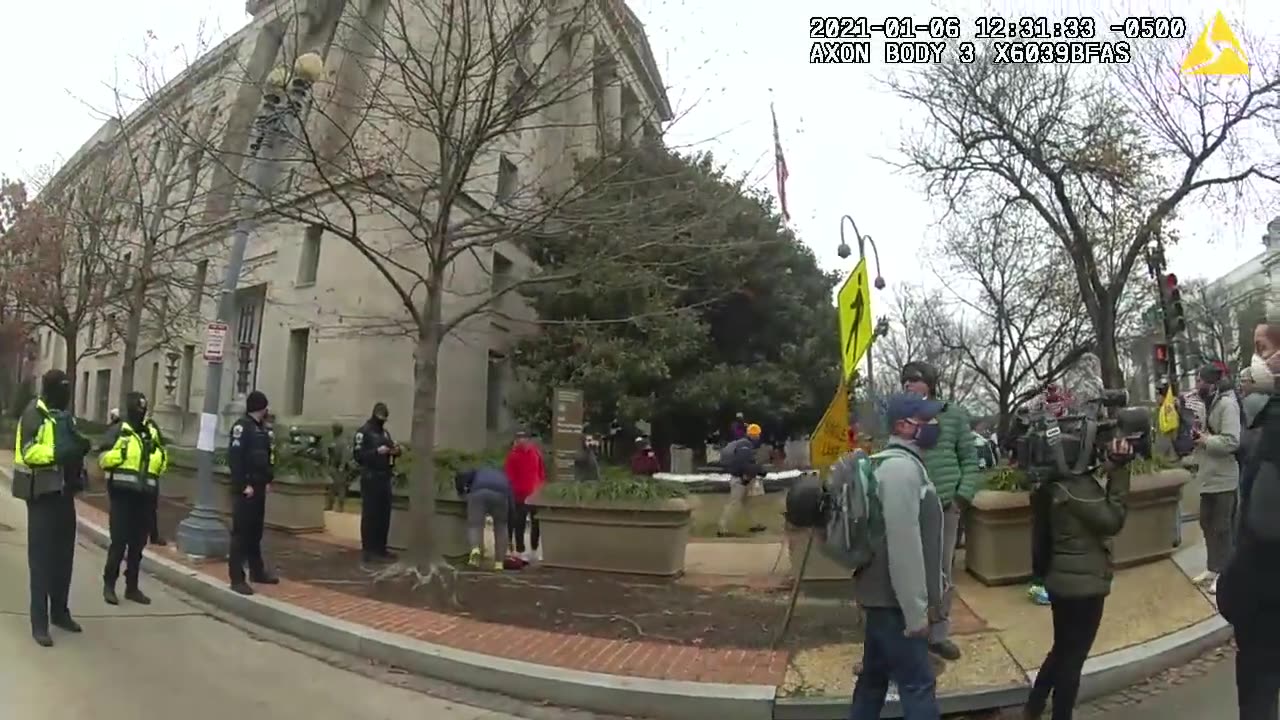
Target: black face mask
[
  {"x": 1205, "y": 394},
  {"x": 379, "y": 421},
  {"x": 136, "y": 417}
]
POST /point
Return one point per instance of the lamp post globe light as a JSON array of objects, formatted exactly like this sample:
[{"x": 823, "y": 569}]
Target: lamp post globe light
[
  {"x": 285, "y": 93},
  {"x": 882, "y": 326}
]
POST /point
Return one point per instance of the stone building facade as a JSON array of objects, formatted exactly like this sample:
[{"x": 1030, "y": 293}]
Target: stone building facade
[{"x": 314, "y": 321}]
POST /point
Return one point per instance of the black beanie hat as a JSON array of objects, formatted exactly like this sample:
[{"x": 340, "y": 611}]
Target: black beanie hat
[
  {"x": 923, "y": 370},
  {"x": 256, "y": 402}
]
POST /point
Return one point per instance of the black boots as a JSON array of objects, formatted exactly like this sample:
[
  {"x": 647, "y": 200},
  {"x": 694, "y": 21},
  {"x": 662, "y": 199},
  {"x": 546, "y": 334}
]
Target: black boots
[
  {"x": 68, "y": 623},
  {"x": 42, "y": 637},
  {"x": 131, "y": 593},
  {"x": 242, "y": 587}
]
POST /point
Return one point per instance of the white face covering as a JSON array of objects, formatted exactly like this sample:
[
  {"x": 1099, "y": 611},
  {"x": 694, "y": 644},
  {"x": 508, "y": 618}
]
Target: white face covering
[{"x": 1262, "y": 378}]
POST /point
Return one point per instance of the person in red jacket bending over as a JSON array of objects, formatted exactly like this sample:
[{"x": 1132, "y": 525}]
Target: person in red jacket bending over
[{"x": 526, "y": 472}]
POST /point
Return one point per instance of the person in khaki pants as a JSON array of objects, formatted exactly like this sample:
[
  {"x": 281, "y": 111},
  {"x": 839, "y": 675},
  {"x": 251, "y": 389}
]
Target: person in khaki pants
[{"x": 739, "y": 460}]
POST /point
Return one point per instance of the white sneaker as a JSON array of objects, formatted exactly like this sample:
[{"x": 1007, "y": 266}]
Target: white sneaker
[
  {"x": 1202, "y": 578},
  {"x": 1213, "y": 586},
  {"x": 528, "y": 556}
]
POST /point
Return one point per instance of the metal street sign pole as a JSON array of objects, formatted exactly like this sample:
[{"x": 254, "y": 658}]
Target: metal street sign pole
[{"x": 202, "y": 533}]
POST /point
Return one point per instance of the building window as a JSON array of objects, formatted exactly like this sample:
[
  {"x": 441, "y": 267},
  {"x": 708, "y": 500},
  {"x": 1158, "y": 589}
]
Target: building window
[
  {"x": 126, "y": 268},
  {"x": 103, "y": 394},
  {"x": 495, "y": 392},
  {"x": 500, "y": 277},
  {"x": 520, "y": 92},
  {"x": 197, "y": 285},
  {"x": 93, "y": 331},
  {"x": 84, "y": 392},
  {"x": 184, "y": 383},
  {"x": 296, "y": 373},
  {"x": 508, "y": 179},
  {"x": 309, "y": 259}
]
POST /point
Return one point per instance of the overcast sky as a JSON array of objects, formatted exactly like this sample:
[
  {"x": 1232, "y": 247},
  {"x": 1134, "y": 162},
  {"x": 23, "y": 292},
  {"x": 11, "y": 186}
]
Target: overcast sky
[{"x": 721, "y": 59}]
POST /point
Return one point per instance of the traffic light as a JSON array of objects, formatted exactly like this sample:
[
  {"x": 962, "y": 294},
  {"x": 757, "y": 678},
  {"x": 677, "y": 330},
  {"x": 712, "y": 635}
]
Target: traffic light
[
  {"x": 1173, "y": 305},
  {"x": 1162, "y": 355}
]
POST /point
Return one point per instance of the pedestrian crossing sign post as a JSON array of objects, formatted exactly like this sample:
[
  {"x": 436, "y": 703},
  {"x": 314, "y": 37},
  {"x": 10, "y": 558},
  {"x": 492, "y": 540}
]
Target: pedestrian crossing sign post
[
  {"x": 854, "y": 305},
  {"x": 1216, "y": 52}
]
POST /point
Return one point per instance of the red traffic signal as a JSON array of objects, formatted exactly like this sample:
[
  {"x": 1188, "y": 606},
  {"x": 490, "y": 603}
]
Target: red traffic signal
[
  {"x": 1162, "y": 353},
  {"x": 1171, "y": 281}
]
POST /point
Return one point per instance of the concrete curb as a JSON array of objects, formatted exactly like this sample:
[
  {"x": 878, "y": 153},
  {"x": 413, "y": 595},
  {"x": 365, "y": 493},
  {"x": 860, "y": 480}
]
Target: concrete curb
[
  {"x": 1103, "y": 675},
  {"x": 643, "y": 697},
  {"x": 613, "y": 694}
]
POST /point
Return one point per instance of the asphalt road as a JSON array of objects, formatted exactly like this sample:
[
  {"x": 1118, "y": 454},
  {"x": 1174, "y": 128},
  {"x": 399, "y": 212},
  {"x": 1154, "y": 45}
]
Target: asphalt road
[
  {"x": 173, "y": 660},
  {"x": 1207, "y": 696}
]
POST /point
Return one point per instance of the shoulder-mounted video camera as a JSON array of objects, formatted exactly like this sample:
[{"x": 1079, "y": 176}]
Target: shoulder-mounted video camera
[{"x": 1049, "y": 446}]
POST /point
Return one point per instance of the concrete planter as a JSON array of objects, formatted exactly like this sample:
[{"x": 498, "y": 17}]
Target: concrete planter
[
  {"x": 997, "y": 547},
  {"x": 179, "y": 486},
  {"x": 819, "y": 570},
  {"x": 1152, "y": 524},
  {"x": 294, "y": 505},
  {"x": 451, "y": 526},
  {"x": 637, "y": 539},
  {"x": 998, "y": 530}
]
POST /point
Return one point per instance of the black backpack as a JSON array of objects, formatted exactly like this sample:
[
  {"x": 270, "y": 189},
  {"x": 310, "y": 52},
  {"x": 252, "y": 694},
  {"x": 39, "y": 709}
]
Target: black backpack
[{"x": 1183, "y": 440}]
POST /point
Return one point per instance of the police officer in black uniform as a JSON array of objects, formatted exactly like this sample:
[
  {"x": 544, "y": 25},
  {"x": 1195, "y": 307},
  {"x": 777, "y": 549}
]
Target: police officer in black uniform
[
  {"x": 47, "y": 475},
  {"x": 250, "y": 457},
  {"x": 375, "y": 452}
]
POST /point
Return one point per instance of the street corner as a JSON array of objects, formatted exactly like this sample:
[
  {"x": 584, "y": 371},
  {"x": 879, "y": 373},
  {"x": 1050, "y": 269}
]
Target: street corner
[{"x": 828, "y": 671}]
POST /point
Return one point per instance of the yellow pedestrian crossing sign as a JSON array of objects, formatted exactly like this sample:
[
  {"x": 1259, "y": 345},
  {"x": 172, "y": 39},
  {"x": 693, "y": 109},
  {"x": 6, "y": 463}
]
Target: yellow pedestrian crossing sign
[
  {"x": 1216, "y": 52},
  {"x": 854, "y": 305}
]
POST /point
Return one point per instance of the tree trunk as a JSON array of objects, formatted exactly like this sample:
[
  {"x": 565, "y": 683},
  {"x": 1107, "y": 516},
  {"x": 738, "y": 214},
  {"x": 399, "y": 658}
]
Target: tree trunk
[
  {"x": 69, "y": 366},
  {"x": 423, "y": 552},
  {"x": 138, "y": 291},
  {"x": 1108, "y": 351}
]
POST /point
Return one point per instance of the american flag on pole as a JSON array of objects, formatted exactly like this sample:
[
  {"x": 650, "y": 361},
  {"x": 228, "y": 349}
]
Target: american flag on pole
[{"x": 779, "y": 166}]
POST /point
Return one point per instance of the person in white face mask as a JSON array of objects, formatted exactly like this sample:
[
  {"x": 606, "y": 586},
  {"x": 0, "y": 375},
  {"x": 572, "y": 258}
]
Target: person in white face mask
[{"x": 1249, "y": 589}]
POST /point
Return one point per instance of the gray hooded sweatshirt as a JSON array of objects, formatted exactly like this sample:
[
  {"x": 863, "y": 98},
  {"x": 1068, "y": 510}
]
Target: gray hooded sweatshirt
[
  {"x": 906, "y": 568},
  {"x": 1218, "y": 470}
]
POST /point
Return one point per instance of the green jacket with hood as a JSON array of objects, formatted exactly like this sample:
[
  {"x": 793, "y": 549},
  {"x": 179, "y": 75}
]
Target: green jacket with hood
[{"x": 953, "y": 462}]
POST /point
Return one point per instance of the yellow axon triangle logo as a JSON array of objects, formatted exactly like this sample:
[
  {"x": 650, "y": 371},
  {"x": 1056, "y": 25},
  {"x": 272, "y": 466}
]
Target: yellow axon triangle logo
[{"x": 1216, "y": 52}]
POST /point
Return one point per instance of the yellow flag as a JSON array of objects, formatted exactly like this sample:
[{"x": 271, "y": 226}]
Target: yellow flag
[
  {"x": 1167, "y": 419},
  {"x": 830, "y": 439}
]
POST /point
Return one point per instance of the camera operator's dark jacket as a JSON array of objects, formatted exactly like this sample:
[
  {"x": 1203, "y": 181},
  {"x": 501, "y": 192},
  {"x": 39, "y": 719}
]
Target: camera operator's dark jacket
[{"x": 1082, "y": 516}]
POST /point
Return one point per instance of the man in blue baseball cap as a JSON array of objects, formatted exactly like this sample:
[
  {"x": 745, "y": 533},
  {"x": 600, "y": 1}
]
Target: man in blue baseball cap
[{"x": 900, "y": 591}]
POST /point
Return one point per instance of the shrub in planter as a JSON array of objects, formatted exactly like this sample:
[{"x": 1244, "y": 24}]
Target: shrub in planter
[{"x": 621, "y": 523}]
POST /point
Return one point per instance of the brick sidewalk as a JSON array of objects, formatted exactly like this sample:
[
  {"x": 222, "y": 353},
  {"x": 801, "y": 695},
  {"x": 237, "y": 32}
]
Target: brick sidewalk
[{"x": 617, "y": 657}]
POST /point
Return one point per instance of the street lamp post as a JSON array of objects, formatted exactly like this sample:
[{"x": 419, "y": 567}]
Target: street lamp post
[
  {"x": 882, "y": 327},
  {"x": 202, "y": 533}
]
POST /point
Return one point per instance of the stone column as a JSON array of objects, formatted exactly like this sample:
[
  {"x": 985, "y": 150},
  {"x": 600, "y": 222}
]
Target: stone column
[
  {"x": 1271, "y": 266},
  {"x": 612, "y": 111},
  {"x": 581, "y": 123}
]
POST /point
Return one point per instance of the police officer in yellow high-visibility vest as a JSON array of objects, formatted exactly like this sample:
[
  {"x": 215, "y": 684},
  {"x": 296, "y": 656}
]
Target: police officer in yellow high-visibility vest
[
  {"x": 133, "y": 464},
  {"x": 48, "y": 470}
]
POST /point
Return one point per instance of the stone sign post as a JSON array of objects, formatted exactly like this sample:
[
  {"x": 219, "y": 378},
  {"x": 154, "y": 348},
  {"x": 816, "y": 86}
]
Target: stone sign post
[{"x": 566, "y": 430}]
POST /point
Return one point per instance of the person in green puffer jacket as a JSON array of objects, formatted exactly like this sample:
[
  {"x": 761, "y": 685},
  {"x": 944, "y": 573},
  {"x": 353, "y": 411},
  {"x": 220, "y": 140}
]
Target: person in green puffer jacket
[{"x": 953, "y": 470}]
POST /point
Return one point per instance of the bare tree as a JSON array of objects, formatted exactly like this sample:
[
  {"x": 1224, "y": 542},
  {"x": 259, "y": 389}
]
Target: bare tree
[
  {"x": 1214, "y": 318},
  {"x": 1019, "y": 324},
  {"x": 162, "y": 187},
  {"x": 66, "y": 247},
  {"x": 1090, "y": 151},
  {"x": 454, "y": 129},
  {"x": 915, "y": 317}
]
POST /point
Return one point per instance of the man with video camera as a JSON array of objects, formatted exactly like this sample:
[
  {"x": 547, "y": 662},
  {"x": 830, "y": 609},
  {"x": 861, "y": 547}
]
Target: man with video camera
[{"x": 1075, "y": 517}]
